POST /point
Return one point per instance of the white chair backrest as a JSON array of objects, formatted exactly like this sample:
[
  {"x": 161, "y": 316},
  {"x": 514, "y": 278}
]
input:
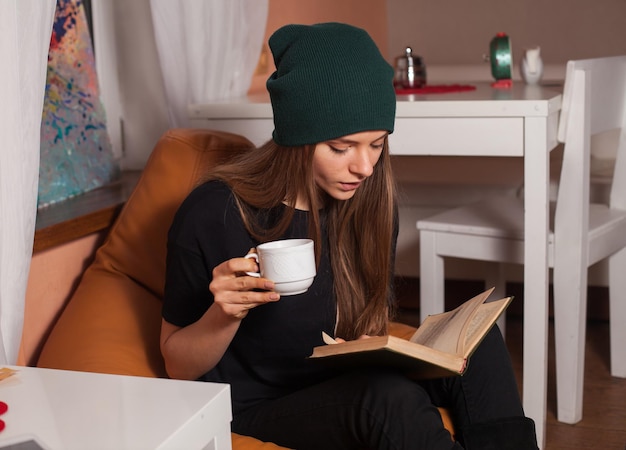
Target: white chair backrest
[
  {"x": 594, "y": 101},
  {"x": 608, "y": 93}
]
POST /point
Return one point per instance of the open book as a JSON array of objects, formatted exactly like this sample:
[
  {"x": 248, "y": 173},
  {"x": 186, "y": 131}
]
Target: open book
[{"x": 441, "y": 346}]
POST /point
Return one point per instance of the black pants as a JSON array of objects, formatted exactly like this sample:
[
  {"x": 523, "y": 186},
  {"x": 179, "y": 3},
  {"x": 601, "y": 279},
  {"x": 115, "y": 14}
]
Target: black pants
[{"x": 380, "y": 409}]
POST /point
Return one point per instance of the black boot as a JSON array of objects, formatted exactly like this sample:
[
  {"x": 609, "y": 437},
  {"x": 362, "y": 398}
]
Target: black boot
[{"x": 515, "y": 433}]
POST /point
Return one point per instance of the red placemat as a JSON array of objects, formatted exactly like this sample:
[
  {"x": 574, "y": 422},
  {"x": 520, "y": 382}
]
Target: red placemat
[{"x": 436, "y": 89}]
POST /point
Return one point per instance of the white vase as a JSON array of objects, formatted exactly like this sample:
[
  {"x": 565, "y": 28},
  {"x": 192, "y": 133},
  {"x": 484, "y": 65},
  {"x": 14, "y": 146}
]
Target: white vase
[{"x": 531, "y": 67}]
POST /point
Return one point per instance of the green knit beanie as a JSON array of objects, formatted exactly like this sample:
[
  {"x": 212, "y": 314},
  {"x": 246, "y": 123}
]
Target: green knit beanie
[{"x": 330, "y": 81}]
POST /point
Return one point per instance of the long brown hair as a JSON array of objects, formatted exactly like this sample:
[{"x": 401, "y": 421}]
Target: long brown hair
[{"x": 360, "y": 230}]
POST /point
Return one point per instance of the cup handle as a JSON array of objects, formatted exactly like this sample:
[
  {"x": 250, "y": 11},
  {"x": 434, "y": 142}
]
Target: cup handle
[{"x": 256, "y": 258}]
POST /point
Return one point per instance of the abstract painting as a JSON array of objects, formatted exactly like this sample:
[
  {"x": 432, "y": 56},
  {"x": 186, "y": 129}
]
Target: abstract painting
[{"x": 76, "y": 153}]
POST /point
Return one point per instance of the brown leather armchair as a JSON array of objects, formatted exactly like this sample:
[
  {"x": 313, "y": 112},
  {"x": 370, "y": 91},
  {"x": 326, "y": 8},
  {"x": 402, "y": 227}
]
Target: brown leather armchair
[{"x": 112, "y": 322}]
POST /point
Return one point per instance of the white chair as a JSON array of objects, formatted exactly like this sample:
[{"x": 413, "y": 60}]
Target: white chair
[{"x": 582, "y": 234}]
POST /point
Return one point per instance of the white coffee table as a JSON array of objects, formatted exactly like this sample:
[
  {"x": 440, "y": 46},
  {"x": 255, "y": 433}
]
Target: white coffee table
[{"x": 79, "y": 410}]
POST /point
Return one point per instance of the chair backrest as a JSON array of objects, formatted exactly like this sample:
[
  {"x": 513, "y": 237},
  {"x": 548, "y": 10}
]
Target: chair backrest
[
  {"x": 594, "y": 104},
  {"x": 136, "y": 245}
]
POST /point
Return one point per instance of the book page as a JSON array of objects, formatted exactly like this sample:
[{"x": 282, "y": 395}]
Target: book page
[
  {"x": 444, "y": 332},
  {"x": 439, "y": 332},
  {"x": 484, "y": 318}
]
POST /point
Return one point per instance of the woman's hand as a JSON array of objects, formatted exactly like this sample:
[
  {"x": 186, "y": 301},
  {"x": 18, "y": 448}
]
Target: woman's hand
[{"x": 235, "y": 292}]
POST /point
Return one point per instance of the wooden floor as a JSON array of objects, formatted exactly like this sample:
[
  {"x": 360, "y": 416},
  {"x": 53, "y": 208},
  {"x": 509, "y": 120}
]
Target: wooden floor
[{"x": 604, "y": 411}]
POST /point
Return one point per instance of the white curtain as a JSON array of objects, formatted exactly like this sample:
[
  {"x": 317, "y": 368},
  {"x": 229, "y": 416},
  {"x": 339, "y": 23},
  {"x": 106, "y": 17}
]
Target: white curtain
[
  {"x": 208, "y": 49},
  {"x": 26, "y": 29}
]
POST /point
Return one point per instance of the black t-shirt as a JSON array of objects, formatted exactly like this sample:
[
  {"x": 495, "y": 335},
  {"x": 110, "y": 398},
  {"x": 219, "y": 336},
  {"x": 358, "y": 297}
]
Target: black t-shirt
[{"x": 267, "y": 357}]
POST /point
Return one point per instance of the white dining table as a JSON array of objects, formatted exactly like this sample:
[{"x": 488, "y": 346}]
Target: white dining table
[{"x": 520, "y": 121}]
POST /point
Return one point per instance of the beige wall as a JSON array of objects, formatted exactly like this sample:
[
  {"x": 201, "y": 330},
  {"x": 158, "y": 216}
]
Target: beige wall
[{"x": 458, "y": 32}]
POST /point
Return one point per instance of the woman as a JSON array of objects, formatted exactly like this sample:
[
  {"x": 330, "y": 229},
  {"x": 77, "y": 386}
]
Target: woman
[{"x": 325, "y": 175}]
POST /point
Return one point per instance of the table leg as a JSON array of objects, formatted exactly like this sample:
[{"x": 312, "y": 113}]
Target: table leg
[{"x": 536, "y": 225}]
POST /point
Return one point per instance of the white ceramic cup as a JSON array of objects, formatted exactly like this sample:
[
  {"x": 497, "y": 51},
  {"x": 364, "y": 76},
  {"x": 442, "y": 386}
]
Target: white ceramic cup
[{"x": 289, "y": 263}]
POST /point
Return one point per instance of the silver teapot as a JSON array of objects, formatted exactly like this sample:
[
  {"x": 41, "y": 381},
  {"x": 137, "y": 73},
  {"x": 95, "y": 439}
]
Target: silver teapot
[{"x": 410, "y": 70}]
